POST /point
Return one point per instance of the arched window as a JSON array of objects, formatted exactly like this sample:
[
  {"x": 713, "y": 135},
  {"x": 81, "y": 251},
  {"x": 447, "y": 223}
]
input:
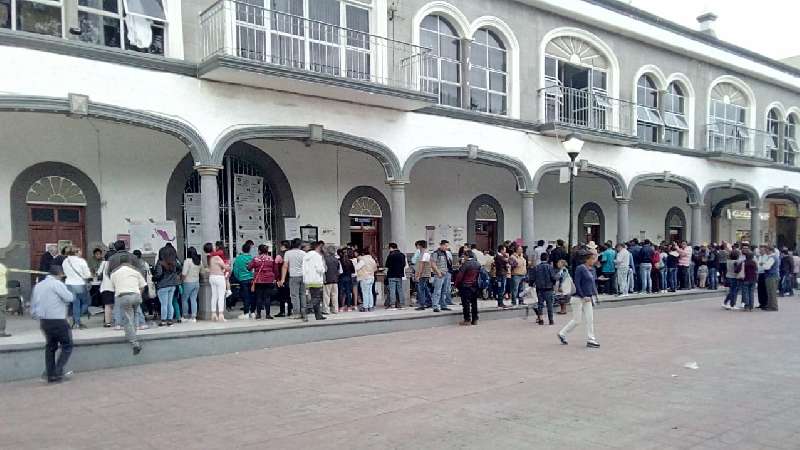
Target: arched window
[
  {"x": 591, "y": 223},
  {"x": 443, "y": 77},
  {"x": 790, "y": 146},
  {"x": 675, "y": 225},
  {"x": 675, "y": 124},
  {"x": 486, "y": 213},
  {"x": 576, "y": 83},
  {"x": 773, "y": 133},
  {"x": 365, "y": 207},
  {"x": 649, "y": 121},
  {"x": 728, "y": 112},
  {"x": 488, "y": 73},
  {"x": 55, "y": 190}
]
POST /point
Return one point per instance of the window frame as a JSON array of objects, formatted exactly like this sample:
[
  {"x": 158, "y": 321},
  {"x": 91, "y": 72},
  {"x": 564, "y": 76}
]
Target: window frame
[
  {"x": 487, "y": 71},
  {"x": 676, "y": 124},
  {"x": 648, "y": 110},
  {"x": 439, "y": 59},
  {"x": 74, "y": 6}
]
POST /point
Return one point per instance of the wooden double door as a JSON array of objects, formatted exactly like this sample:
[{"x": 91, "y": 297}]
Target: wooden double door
[{"x": 50, "y": 224}]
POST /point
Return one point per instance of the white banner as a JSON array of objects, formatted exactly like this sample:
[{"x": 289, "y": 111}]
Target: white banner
[
  {"x": 248, "y": 206},
  {"x": 292, "y": 228},
  {"x": 149, "y": 237}
]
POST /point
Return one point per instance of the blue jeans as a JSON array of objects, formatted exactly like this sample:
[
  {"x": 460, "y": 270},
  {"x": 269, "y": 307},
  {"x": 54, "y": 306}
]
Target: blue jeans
[
  {"x": 747, "y": 294},
  {"x": 249, "y": 303},
  {"x": 423, "y": 292},
  {"x": 545, "y": 300},
  {"x": 786, "y": 284},
  {"x": 516, "y": 281},
  {"x": 440, "y": 284},
  {"x": 644, "y": 275},
  {"x": 368, "y": 301},
  {"x": 80, "y": 305},
  {"x": 713, "y": 278},
  {"x": 733, "y": 291},
  {"x": 189, "y": 299},
  {"x": 663, "y": 273},
  {"x": 673, "y": 278},
  {"x": 165, "y": 297},
  {"x": 346, "y": 289},
  {"x": 396, "y": 292},
  {"x": 500, "y": 286}
]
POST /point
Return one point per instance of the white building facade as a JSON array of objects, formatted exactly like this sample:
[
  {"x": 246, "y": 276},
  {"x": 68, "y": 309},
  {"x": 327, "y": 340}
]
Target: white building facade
[{"x": 372, "y": 121}]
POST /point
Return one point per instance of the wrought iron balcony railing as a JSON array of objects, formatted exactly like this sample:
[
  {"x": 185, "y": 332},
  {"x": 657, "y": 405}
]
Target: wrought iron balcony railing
[
  {"x": 254, "y": 33},
  {"x": 589, "y": 109}
]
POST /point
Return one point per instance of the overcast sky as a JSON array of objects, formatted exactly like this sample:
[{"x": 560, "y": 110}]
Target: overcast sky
[{"x": 769, "y": 27}]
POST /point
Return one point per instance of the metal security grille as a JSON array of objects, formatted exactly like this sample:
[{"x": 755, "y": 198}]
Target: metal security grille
[{"x": 227, "y": 217}]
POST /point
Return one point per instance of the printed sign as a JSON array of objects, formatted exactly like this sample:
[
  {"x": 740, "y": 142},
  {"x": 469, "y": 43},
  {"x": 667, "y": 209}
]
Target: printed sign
[{"x": 149, "y": 237}]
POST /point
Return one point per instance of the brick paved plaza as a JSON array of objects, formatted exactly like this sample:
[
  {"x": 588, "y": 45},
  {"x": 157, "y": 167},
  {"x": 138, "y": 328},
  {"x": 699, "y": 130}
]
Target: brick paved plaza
[{"x": 504, "y": 384}]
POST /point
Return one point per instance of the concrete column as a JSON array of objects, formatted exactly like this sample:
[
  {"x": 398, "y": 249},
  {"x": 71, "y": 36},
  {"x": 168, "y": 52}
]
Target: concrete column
[
  {"x": 696, "y": 225},
  {"x": 527, "y": 221},
  {"x": 755, "y": 226},
  {"x": 623, "y": 221},
  {"x": 209, "y": 203},
  {"x": 466, "y": 47},
  {"x": 209, "y": 231},
  {"x": 398, "y": 188}
]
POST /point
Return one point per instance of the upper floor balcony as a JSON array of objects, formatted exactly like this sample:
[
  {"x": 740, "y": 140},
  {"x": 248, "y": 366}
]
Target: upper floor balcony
[
  {"x": 590, "y": 112},
  {"x": 255, "y": 46},
  {"x": 735, "y": 143}
]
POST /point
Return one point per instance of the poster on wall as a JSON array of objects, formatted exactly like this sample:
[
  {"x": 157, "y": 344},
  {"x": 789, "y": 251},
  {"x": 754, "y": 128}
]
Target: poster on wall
[
  {"x": 149, "y": 236},
  {"x": 191, "y": 208},
  {"x": 458, "y": 237},
  {"x": 194, "y": 237},
  {"x": 430, "y": 236},
  {"x": 291, "y": 225},
  {"x": 248, "y": 206}
]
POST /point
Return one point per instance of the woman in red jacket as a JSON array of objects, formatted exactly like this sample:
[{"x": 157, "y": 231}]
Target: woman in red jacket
[{"x": 265, "y": 270}]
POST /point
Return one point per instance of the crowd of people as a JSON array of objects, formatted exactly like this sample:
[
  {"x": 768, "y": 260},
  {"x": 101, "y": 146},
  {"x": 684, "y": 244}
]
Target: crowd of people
[{"x": 321, "y": 279}]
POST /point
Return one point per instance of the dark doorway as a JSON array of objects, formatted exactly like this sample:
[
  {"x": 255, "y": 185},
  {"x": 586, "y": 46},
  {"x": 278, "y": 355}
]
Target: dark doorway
[
  {"x": 49, "y": 224},
  {"x": 485, "y": 235},
  {"x": 786, "y": 232}
]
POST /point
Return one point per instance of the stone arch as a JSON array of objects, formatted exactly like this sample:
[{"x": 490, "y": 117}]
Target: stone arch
[
  {"x": 514, "y": 165},
  {"x": 347, "y": 203},
  {"x": 675, "y": 212},
  {"x": 692, "y": 191},
  {"x": 179, "y": 129},
  {"x": 618, "y": 186},
  {"x": 785, "y": 193},
  {"x": 751, "y": 194},
  {"x": 277, "y": 183},
  {"x": 513, "y": 51},
  {"x": 472, "y": 213},
  {"x": 589, "y": 208},
  {"x": 384, "y": 155},
  {"x": 17, "y": 254}
]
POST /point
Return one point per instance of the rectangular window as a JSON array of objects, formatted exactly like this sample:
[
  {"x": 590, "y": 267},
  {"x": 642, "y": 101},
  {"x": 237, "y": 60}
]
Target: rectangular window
[
  {"x": 5, "y": 13},
  {"x": 69, "y": 215},
  {"x": 152, "y": 9},
  {"x": 43, "y": 215},
  {"x": 100, "y": 22},
  {"x": 40, "y": 17}
]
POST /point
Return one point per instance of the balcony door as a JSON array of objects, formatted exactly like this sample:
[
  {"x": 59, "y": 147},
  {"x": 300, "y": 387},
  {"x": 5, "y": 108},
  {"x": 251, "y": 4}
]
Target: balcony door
[{"x": 577, "y": 94}]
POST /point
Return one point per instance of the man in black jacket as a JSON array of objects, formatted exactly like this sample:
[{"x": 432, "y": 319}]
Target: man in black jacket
[
  {"x": 558, "y": 253},
  {"x": 396, "y": 263},
  {"x": 544, "y": 277}
]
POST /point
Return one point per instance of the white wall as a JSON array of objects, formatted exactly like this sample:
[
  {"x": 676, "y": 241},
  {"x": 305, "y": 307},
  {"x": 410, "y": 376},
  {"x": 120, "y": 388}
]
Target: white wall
[
  {"x": 648, "y": 210},
  {"x": 551, "y": 215},
  {"x": 320, "y": 177},
  {"x": 442, "y": 189},
  {"x": 131, "y": 166}
]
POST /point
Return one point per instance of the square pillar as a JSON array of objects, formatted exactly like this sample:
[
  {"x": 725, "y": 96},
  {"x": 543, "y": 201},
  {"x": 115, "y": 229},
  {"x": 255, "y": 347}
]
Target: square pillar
[{"x": 527, "y": 221}]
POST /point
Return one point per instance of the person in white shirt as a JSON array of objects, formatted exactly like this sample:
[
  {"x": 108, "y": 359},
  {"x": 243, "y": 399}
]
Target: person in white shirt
[
  {"x": 128, "y": 284},
  {"x": 313, "y": 270},
  {"x": 622, "y": 264},
  {"x": 77, "y": 272}
]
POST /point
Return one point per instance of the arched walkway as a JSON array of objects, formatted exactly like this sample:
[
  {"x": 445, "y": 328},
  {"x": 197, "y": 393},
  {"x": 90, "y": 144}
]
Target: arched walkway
[
  {"x": 656, "y": 197},
  {"x": 515, "y": 166},
  {"x": 383, "y": 154},
  {"x": 183, "y": 131},
  {"x": 718, "y": 195}
]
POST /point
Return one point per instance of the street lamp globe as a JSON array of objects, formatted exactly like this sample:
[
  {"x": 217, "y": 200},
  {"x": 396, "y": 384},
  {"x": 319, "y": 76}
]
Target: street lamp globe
[{"x": 573, "y": 144}]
